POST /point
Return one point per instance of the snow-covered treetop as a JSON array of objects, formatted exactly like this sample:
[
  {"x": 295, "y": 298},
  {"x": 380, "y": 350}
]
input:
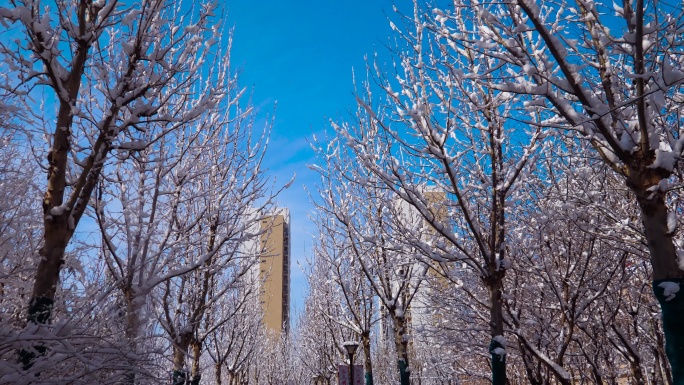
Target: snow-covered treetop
[{"x": 611, "y": 73}]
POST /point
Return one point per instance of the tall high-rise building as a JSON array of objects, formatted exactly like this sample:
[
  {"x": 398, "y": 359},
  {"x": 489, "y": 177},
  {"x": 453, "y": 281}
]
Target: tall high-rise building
[{"x": 274, "y": 271}]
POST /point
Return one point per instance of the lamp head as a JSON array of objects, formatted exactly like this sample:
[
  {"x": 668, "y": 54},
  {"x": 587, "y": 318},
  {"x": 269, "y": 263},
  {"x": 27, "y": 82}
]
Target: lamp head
[{"x": 351, "y": 346}]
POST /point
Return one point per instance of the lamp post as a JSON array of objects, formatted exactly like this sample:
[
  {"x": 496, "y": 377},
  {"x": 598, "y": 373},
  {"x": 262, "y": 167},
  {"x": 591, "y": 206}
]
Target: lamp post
[{"x": 351, "y": 347}]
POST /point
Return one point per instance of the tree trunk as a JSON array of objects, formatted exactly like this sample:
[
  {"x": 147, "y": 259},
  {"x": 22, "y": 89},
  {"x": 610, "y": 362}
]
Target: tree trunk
[
  {"x": 217, "y": 373},
  {"x": 196, "y": 353},
  {"x": 56, "y": 238},
  {"x": 368, "y": 364},
  {"x": 533, "y": 376},
  {"x": 633, "y": 357},
  {"x": 496, "y": 345},
  {"x": 672, "y": 306},
  {"x": 180, "y": 350},
  {"x": 666, "y": 274},
  {"x": 57, "y": 231},
  {"x": 401, "y": 346},
  {"x": 660, "y": 245},
  {"x": 132, "y": 330},
  {"x": 59, "y": 221}
]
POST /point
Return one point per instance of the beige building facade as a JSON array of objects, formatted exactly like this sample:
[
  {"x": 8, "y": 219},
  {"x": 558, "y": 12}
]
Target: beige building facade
[{"x": 274, "y": 271}]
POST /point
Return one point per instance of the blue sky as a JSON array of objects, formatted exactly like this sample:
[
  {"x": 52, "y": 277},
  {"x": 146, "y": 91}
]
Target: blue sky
[{"x": 300, "y": 54}]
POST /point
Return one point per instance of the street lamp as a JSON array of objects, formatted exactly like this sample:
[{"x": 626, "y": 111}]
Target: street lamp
[{"x": 351, "y": 347}]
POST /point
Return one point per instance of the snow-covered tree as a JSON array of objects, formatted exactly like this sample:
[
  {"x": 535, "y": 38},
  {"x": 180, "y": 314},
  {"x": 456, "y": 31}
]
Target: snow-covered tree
[
  {"x": 608, "y": 73},
  {"x": 321, "y": 328},
  {"x": 20, "y": 235},
  {"x": 431, "y": 131},
  {"x": 180, "y": 214},
  {"x": 109, "y": 69},
  {"x": 363, "y": 223},
  {"x": 571, "y": 271},
  {"x": 234, "y": 344},
  {"x": 344, "y": 277}
]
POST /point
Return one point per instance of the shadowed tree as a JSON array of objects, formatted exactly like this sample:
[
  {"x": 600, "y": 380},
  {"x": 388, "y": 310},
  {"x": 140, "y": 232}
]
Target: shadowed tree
[{"x": 608, "y": 73}]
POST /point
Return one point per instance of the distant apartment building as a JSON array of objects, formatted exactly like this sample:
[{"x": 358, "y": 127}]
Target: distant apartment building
[
  {"x": 420, "y": 314},
  {"x": 274, "y": 271}
]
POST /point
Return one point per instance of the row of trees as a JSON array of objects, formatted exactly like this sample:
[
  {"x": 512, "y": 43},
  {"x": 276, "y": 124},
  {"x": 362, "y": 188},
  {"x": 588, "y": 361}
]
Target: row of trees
[
  {"x": 503, "y": 204},
  {"x": 127, "y": 123},
  {"x": 576, "y": 300}
]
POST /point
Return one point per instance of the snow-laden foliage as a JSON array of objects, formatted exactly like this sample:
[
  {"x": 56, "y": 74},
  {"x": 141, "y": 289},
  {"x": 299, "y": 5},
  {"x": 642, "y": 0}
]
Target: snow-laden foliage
[
  {"x": 611, "y": 74},
  {"x": 521, "y": 134},
  {"x": 327, "y": 321},
  {"x": 361, "y": 228},
  {"x": 136, "y": 133}
]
